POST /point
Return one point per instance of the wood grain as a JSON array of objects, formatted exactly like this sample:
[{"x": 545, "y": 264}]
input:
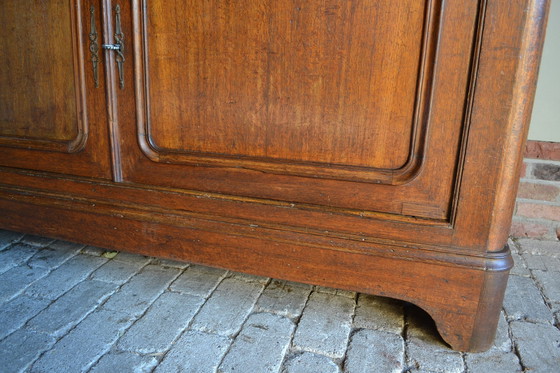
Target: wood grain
[
  {"x": 335, "y": 185},
  {"x": 450, "y": 293},
  {"x": 52, "y": 118},
  {"x": 36, "y": 73},
  {"x": 507, "y": 68},
  {"x": 298, "y": 80},
  {"x": 384, "y": 160}
]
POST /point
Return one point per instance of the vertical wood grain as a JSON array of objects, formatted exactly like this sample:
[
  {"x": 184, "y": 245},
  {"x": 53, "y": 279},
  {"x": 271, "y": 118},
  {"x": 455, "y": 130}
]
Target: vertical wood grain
[
  {"x": 52, "y": 116},
  {"x": 304, "y": 81},
  {"x": 36, "y": 73}
]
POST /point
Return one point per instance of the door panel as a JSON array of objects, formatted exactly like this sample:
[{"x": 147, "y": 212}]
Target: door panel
[
  {"x": 348, "y": 104},
  {"x": 52, "y": 117},
  {"x": 298, "y": 87},
  {"x": 36, "y": 70},
  {"x": 280, "y": 80}
]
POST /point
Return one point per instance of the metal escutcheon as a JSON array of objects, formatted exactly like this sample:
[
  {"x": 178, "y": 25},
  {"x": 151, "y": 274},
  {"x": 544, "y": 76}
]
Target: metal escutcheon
[{"x": 113, "y": 47}]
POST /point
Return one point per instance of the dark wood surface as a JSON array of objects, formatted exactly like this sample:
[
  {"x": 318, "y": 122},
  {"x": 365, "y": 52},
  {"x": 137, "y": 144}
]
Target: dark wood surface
[
  {"x": 298, "y": 140},
  {"x": 52, "y": 118},
  {"x": 38, "y": 68}
]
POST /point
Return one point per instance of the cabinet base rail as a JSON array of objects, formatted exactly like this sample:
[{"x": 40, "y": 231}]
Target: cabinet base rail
[{"x": 463, "y": 294}]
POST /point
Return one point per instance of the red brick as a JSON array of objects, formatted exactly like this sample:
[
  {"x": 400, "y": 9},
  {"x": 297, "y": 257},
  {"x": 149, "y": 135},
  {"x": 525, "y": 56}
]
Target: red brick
[
  {"x": 541, "y": 192},
  {"x": 529, "y": 229},
  {"x": 538, "y": 211},
  {"x": 523, "y": 170},
  {"x": 543, "y": 150}
]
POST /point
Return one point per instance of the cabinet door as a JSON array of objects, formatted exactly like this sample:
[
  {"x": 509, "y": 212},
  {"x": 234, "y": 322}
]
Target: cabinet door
[
  {"x": 354, "y": 105},
  {"x": 53, "y": 112}
]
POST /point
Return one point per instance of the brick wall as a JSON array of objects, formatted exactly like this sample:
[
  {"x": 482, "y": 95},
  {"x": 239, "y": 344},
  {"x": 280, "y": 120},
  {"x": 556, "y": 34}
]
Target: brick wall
[{"x": 537, "y": 211}]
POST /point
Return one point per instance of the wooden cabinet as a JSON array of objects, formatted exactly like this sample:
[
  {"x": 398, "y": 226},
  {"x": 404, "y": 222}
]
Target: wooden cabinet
[{"x": 366, "y": 145}]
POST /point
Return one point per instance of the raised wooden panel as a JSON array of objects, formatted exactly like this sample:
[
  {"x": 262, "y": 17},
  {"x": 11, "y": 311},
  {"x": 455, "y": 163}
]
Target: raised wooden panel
[
  {"x": 295, "y": 87},
  {"x": 167, "y": 147},
  {"x": 40, "y": 99},
  {"x": 52, "y": 117}
]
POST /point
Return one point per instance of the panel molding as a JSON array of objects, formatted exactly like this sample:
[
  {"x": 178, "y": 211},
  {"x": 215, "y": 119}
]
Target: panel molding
[
  {"x": 391, "y": 176},
  {"x": 467, "y": 118}
]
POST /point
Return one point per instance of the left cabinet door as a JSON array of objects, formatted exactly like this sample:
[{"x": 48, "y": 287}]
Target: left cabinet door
[{"x": 53, "y": 105}]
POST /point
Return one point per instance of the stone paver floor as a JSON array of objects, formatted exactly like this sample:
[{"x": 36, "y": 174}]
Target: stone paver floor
[{"x": 66, "y": 307}]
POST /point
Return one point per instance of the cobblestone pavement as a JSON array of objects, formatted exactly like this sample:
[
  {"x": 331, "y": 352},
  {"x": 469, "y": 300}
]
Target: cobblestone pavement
[{"x": 66, "y": 307}]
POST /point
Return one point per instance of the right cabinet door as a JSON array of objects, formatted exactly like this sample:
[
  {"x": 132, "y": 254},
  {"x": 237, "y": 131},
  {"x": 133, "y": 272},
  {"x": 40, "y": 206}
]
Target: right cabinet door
[{"x": 356, "y": 106}]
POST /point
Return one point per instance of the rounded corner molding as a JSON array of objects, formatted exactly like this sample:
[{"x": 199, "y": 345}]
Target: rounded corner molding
[{"x": 398, "y": 175}]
